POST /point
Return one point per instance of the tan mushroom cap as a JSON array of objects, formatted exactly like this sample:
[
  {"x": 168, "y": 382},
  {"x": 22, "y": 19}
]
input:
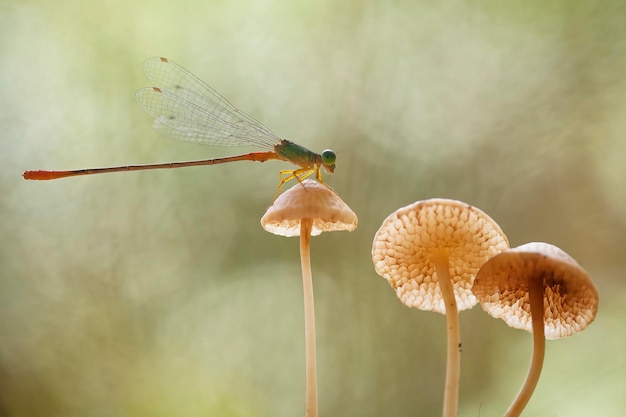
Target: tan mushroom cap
[
  {"x": 405, "y": 242},
  {"x": 570, "y": 300},
  {"x": 309, "y": 200}
]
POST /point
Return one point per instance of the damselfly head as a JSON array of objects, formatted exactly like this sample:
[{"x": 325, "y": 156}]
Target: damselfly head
[{"x": 328, "y": 160}]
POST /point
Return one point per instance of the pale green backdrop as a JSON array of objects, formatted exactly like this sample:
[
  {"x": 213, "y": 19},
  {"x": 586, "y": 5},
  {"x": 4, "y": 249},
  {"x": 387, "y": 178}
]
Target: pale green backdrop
[{"x": 158, "y": 294}]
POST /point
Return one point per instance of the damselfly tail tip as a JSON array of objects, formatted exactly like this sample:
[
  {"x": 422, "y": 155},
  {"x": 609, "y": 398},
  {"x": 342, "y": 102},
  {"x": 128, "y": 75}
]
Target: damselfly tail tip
[
  {"x": 29, "y": 175},
  {"x": 41, "y": 175}
]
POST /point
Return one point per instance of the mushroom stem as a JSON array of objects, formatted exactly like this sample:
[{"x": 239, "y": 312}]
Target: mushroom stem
[
  {"x": 309, "y": 318},
  {"x": 535, "y": 298},
  {"x": 453, "y": 361}
]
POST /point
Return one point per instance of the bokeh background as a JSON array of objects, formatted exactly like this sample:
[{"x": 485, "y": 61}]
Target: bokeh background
[{"x": 158, "y": 294}]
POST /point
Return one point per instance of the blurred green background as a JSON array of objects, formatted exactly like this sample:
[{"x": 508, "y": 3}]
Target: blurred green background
[{"x": 158, "y": 294}]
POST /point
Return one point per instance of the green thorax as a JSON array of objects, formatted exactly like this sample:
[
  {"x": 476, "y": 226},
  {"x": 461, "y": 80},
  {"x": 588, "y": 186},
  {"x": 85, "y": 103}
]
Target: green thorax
[{"x": 296, "y": 154}]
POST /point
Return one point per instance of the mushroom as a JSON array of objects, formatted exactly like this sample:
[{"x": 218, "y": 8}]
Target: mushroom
[
  {"x": 308, "y": 209},
  {"x": 429, "y": 252},
  {"x": 539, "y": 288}
]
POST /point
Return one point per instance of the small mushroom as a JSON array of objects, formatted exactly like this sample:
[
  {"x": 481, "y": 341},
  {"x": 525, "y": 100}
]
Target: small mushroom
[
  {"x": 429, "y": 252},
  {"x": 539, "y": 288},
  {"x": 308, "y": 209}
]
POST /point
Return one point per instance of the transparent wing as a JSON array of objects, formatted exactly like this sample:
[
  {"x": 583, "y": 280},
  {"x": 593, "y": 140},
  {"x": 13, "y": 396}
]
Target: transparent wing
[{"x": 187, "y": 109}]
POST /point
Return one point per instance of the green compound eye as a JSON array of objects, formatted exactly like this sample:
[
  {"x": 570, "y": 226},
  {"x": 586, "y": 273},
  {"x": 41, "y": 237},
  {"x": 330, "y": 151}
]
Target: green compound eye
[{"x": 328, "y": 157}]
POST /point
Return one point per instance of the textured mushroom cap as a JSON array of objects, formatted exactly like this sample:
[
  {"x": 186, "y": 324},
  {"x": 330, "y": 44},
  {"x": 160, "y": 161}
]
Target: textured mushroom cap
[
  {"x": 309, "y": 200},
  {"x": 570, "y": 300},
  {"x": 405, "y": 242}
]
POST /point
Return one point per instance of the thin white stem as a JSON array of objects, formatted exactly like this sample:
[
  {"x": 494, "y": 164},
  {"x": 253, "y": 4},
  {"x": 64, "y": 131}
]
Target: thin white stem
[
  {"x": 309, "y": 318},
  {"x": 535, "y": 297},
  {"x": 453, "y": 362}
]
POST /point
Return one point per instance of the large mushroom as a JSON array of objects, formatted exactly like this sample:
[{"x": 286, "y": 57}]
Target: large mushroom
[
  {"x": 429, "y": 252},
  {"x": 539, "y": 288},
  {"x": 308, "y": 209}
]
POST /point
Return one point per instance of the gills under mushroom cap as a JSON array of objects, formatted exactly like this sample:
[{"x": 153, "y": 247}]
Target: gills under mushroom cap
[
  {"x": 570, "y": 297},
  {"x": 406, "y": 242}
]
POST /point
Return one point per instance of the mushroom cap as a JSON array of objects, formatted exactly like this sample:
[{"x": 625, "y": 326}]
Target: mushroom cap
[
  {"x": 570, "y": 297},
  {"x": 404, "y": 245},
  {"x": 308, "y": 200}
]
